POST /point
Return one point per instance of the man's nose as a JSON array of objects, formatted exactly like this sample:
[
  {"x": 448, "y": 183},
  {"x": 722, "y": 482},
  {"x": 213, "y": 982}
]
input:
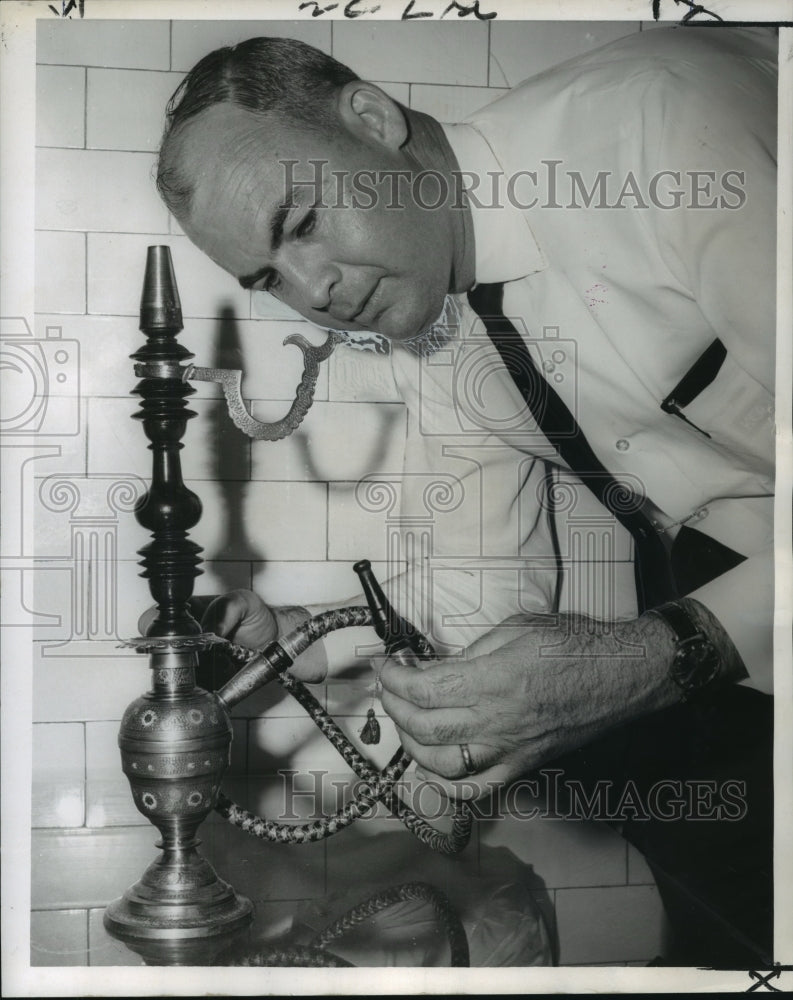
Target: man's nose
[{"x": 311, "y": 275}]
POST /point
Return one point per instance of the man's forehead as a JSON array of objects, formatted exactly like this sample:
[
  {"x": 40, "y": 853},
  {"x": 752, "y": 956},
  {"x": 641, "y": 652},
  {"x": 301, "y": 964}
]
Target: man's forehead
[{"x": 224, "y": 139}]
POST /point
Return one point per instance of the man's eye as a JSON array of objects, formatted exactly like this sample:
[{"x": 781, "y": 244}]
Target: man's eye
[{"x": 307, "y": 223}]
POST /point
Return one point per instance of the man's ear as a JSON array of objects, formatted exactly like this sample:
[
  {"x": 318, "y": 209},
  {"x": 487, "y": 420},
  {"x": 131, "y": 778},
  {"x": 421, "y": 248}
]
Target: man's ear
[{"x": 371, "y": 115}]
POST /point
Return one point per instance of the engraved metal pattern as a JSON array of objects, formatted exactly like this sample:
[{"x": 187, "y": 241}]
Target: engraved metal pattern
[
  {"x": 175, "y": 765},
  {"x": 152, "y": 644},
  {"x": 197, "y": 714},
  {"x": 230, "y": 380}
]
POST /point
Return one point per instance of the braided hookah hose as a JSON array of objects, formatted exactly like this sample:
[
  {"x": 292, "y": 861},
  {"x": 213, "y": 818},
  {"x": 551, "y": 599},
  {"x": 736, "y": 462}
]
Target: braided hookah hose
[
  {"x": 261, "y": 666},
  {"x": 315, "y": 955}
]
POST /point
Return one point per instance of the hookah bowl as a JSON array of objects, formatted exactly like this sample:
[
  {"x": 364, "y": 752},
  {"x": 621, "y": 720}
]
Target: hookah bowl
[
  {"x": 175, "y": 739},
  {"x": 174, "y": 743}
]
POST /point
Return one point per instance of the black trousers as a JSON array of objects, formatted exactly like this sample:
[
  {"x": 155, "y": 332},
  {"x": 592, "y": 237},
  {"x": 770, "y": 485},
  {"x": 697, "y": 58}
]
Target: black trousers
[{"x": 715, "y": 875}]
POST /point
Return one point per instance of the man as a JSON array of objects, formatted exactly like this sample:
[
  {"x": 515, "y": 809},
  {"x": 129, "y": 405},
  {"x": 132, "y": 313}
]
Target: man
[{"x": 627, "y": 199}]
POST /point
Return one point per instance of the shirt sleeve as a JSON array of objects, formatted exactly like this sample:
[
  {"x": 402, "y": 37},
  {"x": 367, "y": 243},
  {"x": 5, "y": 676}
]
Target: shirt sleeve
[
  {"x": 721, "y": 246},
  {"x": 743, "y": 601}
]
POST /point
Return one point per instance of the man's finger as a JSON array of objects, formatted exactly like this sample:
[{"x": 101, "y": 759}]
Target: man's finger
[
  {"x": 447, "y": 761},
  {"x": 452, "y": 684},
  {"x": 222, "y": 615},
  {"x": 432, "y": 727},
  {"x": 471, "y": 787}
]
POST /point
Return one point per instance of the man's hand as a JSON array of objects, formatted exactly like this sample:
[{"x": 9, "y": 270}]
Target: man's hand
[
  {"x": 552, "y": 688},
  {"x": 243, "y": 617}
]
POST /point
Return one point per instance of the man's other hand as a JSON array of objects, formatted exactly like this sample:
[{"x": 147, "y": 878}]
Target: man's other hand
[
  {"x": 243, "y": 617},
  {"x": 555, "y": 686}
]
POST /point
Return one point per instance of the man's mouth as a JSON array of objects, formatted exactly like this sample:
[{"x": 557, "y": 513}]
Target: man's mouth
[{"x": 363, "y": 314}]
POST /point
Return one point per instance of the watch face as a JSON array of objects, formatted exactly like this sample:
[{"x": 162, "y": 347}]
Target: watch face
[{"x": 696, "y": 663}]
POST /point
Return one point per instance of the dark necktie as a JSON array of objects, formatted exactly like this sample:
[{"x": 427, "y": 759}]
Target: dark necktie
[{"x": 695, "y": 558}]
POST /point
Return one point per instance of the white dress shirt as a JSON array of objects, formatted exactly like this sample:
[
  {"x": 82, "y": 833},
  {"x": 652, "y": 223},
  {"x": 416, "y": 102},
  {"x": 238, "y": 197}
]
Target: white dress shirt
[{"x": 617, "y": 300}]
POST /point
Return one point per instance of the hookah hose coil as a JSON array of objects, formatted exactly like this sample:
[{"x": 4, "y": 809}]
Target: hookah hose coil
[
  {"x": 314, "y": 954},
  {"x": 261, "y": 666}
]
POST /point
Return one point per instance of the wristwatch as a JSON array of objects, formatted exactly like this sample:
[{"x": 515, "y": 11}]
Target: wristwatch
[{"x": 696, "y": 661}]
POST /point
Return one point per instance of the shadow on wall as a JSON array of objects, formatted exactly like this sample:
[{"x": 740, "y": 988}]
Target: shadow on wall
[
  {"x": 230, "y": 457},
  {"x": 321, "y": 454}
]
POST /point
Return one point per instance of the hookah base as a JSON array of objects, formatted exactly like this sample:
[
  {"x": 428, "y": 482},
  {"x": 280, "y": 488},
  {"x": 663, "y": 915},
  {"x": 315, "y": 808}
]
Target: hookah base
[{"x": 178, "y": 904}]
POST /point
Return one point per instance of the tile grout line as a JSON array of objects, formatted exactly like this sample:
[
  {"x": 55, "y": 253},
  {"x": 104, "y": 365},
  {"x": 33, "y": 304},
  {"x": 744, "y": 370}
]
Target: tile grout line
[{"x": 327, "y": 522}]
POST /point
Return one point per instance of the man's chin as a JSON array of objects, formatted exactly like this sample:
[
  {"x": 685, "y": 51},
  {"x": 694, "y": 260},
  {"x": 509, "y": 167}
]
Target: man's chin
[{"x": 401, "y": 328}]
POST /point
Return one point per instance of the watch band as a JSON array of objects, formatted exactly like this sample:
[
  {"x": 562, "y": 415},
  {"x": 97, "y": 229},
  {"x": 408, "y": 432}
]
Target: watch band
[{"x": 696, "y": 661}]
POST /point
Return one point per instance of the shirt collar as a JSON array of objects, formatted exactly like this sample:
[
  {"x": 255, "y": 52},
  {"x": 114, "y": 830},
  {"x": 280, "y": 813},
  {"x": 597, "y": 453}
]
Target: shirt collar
[{"x": 505, "y": 246}]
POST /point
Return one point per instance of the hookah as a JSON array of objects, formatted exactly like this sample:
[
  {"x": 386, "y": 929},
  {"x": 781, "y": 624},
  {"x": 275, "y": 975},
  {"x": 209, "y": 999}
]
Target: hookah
[{"x": 175, "y": 739}]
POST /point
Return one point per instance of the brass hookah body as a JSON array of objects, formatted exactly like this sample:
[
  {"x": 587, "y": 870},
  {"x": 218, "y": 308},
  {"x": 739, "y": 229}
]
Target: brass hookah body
[{"x": 175, "y": 739}]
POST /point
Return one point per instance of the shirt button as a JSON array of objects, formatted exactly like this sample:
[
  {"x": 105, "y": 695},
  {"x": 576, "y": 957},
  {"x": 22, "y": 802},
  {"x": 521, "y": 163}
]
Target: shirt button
[{"x": 623, "y": 445}]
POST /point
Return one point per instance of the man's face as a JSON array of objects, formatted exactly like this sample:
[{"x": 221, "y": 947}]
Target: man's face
[{"x": 384, "y": 268}]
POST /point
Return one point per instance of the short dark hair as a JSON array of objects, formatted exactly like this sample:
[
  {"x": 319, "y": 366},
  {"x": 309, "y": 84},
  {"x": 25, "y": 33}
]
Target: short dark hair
[{"x": 281, "y": 75}]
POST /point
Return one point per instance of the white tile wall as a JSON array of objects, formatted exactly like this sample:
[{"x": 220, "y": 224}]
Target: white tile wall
[
  {"x": 280, "y": 517},
  {"x": 126, "y": 108},
  {"x": 79, "y": 687},
  {"x": 264, "y": 524},
  {"x": 59, "y": 750},
  {"x": 116, "y": 263},
  {"x": 337, "y": 441},
  {"x": 97, "y": 190},
  {"x": 399, "y": 91},
  {"x": 60, "y": 106},
  {"x": 60, "y": 272},
  {"x": 425, "y": 53},
  {"x": 133, "y": 44}
]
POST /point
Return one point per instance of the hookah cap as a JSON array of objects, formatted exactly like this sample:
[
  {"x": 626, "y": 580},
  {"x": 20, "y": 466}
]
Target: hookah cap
[{"x": 159, "y": 302}]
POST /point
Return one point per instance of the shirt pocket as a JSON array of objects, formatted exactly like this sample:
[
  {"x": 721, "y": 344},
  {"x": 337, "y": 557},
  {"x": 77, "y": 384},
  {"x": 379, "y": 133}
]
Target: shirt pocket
[{"x": 722, "y": 402}]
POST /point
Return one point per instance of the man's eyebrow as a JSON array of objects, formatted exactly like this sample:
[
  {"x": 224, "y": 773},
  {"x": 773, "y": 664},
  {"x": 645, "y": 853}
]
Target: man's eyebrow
[
  {"x": 249, "y": 280},
  {"x": 276, "y": 237}
]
